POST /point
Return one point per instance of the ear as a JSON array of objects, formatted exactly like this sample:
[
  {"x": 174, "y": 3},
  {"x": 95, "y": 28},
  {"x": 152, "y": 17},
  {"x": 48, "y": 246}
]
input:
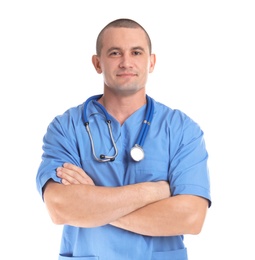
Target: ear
[
  {"x": 96, "y": 63},
  {"x": 152, "y": 62}
]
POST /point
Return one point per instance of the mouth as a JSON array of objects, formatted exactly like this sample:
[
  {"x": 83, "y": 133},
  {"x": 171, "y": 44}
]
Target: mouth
[{"x": 126, "y": 75}]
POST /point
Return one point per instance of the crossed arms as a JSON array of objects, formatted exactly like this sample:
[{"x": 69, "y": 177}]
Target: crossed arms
[{"x": 146, "y": 208}]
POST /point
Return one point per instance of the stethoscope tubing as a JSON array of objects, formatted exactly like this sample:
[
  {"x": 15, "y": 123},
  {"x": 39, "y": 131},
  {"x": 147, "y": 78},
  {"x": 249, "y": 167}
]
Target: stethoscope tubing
[
  {"x": 141, "y": 137},
  {"x": 146, "y": 123}
]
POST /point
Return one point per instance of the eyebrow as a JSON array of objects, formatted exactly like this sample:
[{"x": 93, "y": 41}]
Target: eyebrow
[{"x": 137, "y": 48}]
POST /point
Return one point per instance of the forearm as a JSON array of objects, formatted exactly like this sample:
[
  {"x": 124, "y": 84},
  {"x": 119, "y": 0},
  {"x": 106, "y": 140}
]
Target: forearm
[
  {"x": 89, "y": 206},
  {"x": 178, "y": 215}
]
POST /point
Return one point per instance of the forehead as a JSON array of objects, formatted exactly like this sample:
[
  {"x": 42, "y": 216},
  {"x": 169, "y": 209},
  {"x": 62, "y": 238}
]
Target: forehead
[{"x": 124, "y": 38}]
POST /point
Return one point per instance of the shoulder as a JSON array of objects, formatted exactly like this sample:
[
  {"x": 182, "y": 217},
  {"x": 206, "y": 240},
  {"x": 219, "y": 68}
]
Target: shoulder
[
  {"x": 70, "y": 119},
  {"x": 71, "y": 114},
  {"x": 173, "y": 115},
  {"x": 175, "y": 119}
]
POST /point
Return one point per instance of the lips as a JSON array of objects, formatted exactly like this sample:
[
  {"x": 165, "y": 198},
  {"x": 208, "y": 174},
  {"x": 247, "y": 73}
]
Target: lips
[{"x": 126, "y": 74}]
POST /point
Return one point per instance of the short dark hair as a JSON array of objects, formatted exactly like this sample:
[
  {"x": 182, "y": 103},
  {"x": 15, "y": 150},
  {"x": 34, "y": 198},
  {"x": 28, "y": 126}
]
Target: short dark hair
[{"x": 124, "y": 23}]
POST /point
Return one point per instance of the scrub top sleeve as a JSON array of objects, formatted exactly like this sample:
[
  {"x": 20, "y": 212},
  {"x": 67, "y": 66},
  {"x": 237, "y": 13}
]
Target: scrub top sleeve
[
  {"x": 59, "y": 146},
  {"x": 189, "y": 169}
]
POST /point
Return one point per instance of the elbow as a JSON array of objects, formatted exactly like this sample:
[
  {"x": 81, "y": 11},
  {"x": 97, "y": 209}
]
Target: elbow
[
  {"x": 195, "y": 229},
  {"x": 197, "y": 216},
  {"x": 62, "y": 209},
  {"x": 57, "y": 217},
  {"x": 54, "y": 205},
  {"x": 192, "y": 227},
  {"x": 196, "y": 222},
  {"x": 55, "y": 212}
]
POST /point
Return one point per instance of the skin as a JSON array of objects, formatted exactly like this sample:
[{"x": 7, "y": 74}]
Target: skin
[
  {"x": 125, "y": 63},
  {"x": 145, "y": 208}
]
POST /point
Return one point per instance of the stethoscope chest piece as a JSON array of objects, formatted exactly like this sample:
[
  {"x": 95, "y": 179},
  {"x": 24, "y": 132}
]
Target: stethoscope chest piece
[{"x": 137, "y": 153}]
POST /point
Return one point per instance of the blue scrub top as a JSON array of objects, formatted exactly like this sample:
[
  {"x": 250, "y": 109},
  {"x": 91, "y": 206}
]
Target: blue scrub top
[{"x": 174, "y": 149}]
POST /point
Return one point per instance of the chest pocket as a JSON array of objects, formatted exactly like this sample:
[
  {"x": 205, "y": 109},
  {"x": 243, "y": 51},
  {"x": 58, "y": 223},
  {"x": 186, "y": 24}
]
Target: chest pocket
[{"x": 151, "y": 170}]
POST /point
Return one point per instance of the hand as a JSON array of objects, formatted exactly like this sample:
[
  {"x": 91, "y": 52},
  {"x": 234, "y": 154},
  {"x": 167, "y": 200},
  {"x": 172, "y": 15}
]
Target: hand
[{"x": 71, "y": 174}]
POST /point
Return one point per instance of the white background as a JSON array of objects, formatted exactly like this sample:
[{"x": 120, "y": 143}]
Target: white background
[{"x": 205, "y": 67}]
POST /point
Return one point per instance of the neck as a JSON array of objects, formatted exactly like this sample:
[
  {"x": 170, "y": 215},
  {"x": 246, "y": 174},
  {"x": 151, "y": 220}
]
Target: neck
[{"x": 121, "y": 107}]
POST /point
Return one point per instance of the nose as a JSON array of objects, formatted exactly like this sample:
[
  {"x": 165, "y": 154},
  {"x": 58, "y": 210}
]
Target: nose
[{"x": 126, "y": 61}]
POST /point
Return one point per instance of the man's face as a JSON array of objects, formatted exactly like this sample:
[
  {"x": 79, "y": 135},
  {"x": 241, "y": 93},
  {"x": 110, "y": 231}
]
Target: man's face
[{"x": 125, "y": 61}]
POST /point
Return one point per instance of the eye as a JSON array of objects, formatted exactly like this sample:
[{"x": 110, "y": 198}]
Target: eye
[
  {"x": 115, "y": 53},
  {"x": 136, "y": 53}
]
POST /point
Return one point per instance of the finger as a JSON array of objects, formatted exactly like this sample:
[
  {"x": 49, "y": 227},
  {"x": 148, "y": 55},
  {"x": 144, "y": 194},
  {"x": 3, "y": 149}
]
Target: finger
[
  {"x": 65, "y": 182},
  {"x": 74, "y": 177},
  {"x": 78, "y": 173},
  {"x": 75, "y": 168},
  {"x": 68, "y": 176}
]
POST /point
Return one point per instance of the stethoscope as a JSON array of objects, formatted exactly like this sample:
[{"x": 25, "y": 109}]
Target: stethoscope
[{"x": 136, "y": 152}]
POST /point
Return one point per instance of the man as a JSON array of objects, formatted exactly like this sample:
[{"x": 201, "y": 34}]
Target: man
[{"x": 116, "y": 205}]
